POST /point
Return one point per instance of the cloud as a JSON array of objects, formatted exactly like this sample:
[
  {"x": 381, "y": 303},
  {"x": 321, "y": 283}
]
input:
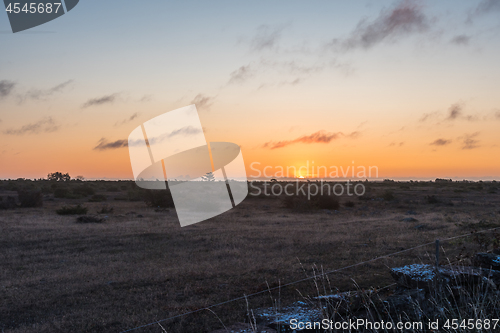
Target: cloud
[
  {"x": 129, "y": 119},
  {"x": 404, "y": 19},
  {"x": 185, "y": 131},
  {"x": 485, "y": 7},
  {"x": 440, "y": 142},
  {"x": 461, "y": 40},
  {"x": 41, "y": 94},
  {"x": 266, "y": 38},
  {"x": 241, "y": 74},
  {"x": 428, "y": 116},
  {"x": 103, "y": 144},
  {"x": 46, "y": 125},
  {"x": 203, "y": 101},
  {"x": 469, "y": 141},
  {"x": 455, "y": 111},
  {"x": 317, "y": 137},
  {"x": 6, "y": 88},
  {"x": 100, "y": 100},
  {"x": 497, "y": 114}
]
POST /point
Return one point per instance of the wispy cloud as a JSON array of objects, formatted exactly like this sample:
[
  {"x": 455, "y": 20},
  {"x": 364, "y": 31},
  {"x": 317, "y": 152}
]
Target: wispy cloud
[
  {"x": 429, "y": 116},
  {"x": 484, "y": 7},
  {"x": 42, "y": 94},
  {"x": 241, "y": 74},
  {"x": 406, "y": 18},
  {"x": 103, "y": 144},
  {"x": 267, "y": 37},
  {"x": 107, "y": 99},
  {"x": 469, "y": 141},
  {"x": 184, "y": 131},
  {"x": 202, "y": 101},
  {"x": 317, "y": 137},
  {"x": 6, "y": 88},
  {"x": 129, "y": 119},
  {"x": 461, "y": 40},
  {"x": 45, "y": 125},
  {"x": 455, "y": 111},
  {"x": 440, "y": 142}
]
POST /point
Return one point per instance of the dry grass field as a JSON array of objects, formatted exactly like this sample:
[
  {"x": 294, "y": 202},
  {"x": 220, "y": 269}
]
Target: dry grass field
[{"x": 138, "y": 265}]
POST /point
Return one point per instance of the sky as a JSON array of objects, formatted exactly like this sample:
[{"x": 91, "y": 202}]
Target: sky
[{"x": 410, "y": 87}]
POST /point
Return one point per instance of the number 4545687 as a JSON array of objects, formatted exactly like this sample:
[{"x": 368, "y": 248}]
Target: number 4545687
[
  {"x": 471, "y": 324},
  {"x": 33, "y": 8}
]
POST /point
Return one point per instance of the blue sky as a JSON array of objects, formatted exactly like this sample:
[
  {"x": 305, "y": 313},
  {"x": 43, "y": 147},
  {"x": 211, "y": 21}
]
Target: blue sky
[{"x": 260, "y": 72}]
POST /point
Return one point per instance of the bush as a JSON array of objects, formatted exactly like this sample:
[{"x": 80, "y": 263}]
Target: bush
[
  {"x": 431, "y": 199},
  {"x": 61, "y": 192},
  {"x": 84, "y": 190},
  {"x": 349, "y": 204},
  {"x": 105, "y": 210},
  {"x": 300, "y": 202},
  {"x": 388, "y": 196},
  {"x": 98, "y": 198},
  {"x": 8, "y": 204},
  {"x": 158, "y": 198},
  {"x": 29, "y": 199},
  {"x": 325, "y": 202},
  {"x": 72, "y": 210},
  {"x": 89, "y": 219}
]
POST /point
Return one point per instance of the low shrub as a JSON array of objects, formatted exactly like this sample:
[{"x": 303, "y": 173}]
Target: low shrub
[
  {"x": 98, "y": 198},
  {"x": 89, "y": 219},
  {"x": 301, "y": 202},
  {"x": 349, "y": 204},
  {"x": 105, "y": 210},
  {"x": 84, "y": 190},
  {"x": 431, "y": 199},
  {"x": 29, "y": 199},
  {"x": 61, "y": 192},
  {"x": 8, "y": 203},
  {"x": 158, "y": 198},
  {"x": 72, "y": 210},
  {"x": 388, "y": 195}
]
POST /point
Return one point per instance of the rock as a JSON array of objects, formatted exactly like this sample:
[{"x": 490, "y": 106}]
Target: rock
[
  {"x": 244, "y": 328},
  {"x": 411, "y": 302},
  {"x": 140, "y": 215},
  {"x": 409, "y": 219},
  {"x": 426, "y": 277},
  {"x": 411, "y": 212},
  {"x": 420, "y": 227},
  {"x": 89, "y": 219},
  {"x": 282, "y": 321},
  {"x": 346, "y": 302},
  {"x": 487, "y": 260}
]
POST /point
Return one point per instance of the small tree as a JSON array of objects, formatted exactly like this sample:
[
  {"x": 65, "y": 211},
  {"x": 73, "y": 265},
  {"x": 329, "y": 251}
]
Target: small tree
[
  {"x": 59, "y": 177},
  {"x": 208, "y": 177}
]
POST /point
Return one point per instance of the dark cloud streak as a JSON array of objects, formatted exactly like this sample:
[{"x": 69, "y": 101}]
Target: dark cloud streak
[
  {"x": 6, "y": 88},
  {"x": 108, "y": 99},
  {"x": 404, "y": 19},
  {"x": 46, "y": 125},
  {"x": 317, "y": 137}
]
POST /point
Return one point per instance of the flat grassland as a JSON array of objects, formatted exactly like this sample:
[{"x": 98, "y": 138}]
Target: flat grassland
[{"x": 139, "y": 266}]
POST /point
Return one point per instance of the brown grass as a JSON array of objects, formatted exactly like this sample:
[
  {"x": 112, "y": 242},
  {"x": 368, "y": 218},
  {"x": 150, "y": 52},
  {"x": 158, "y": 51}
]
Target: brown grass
[{"x": 57, "y": 275}]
